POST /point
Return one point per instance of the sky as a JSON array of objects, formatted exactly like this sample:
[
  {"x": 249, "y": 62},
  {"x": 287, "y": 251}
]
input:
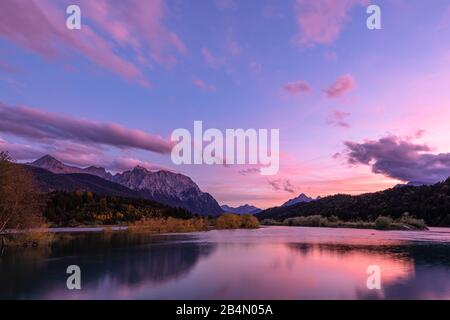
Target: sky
[{"x": 358, "y": 110}]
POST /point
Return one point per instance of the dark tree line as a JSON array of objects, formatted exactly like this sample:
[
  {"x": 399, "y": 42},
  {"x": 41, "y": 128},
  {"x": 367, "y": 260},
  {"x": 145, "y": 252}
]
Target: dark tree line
[
  {"x": 83, "y": 208},
  {"x": 430, "y": 203}
]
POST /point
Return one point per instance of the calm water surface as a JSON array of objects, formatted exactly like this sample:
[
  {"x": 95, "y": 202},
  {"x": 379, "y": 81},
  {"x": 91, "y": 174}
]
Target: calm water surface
[{"x": 268, "y": 263}]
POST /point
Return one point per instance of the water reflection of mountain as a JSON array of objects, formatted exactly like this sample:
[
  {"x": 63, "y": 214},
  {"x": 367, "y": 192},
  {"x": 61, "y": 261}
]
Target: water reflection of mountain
[{"x": 120, "y": 258}]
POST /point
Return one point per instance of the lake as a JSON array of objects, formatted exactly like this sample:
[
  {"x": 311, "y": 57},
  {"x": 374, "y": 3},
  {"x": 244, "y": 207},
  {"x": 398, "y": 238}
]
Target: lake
[{"x": 267, "y": 263}]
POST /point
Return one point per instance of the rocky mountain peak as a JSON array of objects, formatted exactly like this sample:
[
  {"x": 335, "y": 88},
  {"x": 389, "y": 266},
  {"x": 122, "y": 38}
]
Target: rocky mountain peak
[
  {"x": 167, "y": 187},
  {"x": 46, "y": 160},
  {"x": 301, "y": 198}
]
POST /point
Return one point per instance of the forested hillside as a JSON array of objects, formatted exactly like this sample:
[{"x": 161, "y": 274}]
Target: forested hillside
[
  {"x": 430, "y": 203},
  {"x": 84, "y": 208}
]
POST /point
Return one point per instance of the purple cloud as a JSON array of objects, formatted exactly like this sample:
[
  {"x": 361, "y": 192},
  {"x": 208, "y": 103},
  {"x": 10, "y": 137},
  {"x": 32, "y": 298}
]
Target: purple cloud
[
  {"x": 401, "y": 159},
  {"x": 341, "y": 86},
  {"x": 282, "y": 184},
  {"x": 249, "y": 171},
  {"x": 75, "y": 154},
  {"x": 338, "y": 119},
  {"x": 321, "y": 21},
  {"x": 211, "y": 60},
  {"x": 39, "y": 125},
  {"x": 135, "y": 24},
  {"x": 202, "y": 85},
  {"x": 297, "y": 87},
  {"x": 20, "y": 151}
]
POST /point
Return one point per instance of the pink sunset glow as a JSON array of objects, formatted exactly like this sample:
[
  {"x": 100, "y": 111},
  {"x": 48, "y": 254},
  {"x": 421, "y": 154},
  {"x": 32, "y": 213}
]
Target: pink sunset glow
[{"x": 348, "y": 101}]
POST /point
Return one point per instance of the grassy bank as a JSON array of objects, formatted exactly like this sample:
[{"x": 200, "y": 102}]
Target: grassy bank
[
  {"x": 234, "y": 221},
  {"x": 170, "y": 225},
  {"x": 174, "y": 225},
  {"x": 381, "y": 223},
  {"x": 148, "y": 225}
]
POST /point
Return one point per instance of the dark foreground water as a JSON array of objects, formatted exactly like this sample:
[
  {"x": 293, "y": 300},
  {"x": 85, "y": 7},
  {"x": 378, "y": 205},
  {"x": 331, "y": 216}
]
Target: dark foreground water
[{"x": 269, "y": 263}]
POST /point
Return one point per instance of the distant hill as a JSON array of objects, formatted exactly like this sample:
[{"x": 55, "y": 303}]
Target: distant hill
[
  {"x": 49, "y": 182},
  {"x": 431, "y": 203},
  {"x": 301, "y": 198},
  {"x": 53, "y": 165},
  {"x": 173, "y": 189},
  {"x": 245, "y": 209}
]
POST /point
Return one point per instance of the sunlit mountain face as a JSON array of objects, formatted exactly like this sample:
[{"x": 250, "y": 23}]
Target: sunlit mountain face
[{"x": 359, "y": 95}]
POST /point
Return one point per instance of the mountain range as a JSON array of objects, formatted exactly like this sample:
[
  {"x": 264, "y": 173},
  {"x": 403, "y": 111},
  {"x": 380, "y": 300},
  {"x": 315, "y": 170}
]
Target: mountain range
[
  {"x": 69, "y": 182},
  {"x": 245, "y": 209},
  {"x": 53, "y": 165},
  {"x": 166, "y": 187},
  {"x": 301, "y": 198},
  {"x": 249, "y": 209}
]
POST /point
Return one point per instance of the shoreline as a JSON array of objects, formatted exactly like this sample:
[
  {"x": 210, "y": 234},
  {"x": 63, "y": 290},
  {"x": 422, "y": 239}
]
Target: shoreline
[
  {"x": 66, "y": 230},
  {"x": 369, "y": 226},
  {"x": 115, "y": 228},
  {"x": 46, "y": 237},
  {"x": 406, "y": 222}
]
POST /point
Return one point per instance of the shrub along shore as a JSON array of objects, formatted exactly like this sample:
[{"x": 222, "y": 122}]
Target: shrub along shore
[
  {"x": 174, "y": 225},
  {"x": 406, "y": 222}
]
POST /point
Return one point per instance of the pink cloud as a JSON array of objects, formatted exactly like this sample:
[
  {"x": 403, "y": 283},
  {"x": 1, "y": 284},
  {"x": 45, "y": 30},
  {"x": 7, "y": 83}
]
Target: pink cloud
[
  {"x": 39, "y": 125},
  {"x": 202, "y": 85},
  {"x": 282, "y": 185},
  {"x": 91, "y": 157},
  {"x": 133, "y": 23},
  {"x": 321, "y": 21},
  {"x": 211, "y": 60},
  {"x": 65, "y": 151},
  {"x": 341, "y": 86},
  {"x": 122, "y": 164},
  {"x": 419, "y": 133},
  {"x": 20, "y": 151},
  {"x": 298, "y": 87},
  {"x": 75, "y": 154},
  {"x": 229, "y": 52},
  {"x": 339, "y": 119},
  {"x": 249, "y": 171},
  {"x": 138, "y": 24}
]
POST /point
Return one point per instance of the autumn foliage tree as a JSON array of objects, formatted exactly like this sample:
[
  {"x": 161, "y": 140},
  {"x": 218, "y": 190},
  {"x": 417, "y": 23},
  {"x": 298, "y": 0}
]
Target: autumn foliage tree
[
  {"x": 20, "y": 200},
  {"x": 234, "y": 221}
]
